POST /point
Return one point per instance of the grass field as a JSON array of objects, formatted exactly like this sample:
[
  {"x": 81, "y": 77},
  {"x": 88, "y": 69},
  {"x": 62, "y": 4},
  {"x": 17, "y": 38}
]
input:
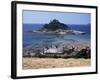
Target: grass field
[{"x": 38, "y": 63}]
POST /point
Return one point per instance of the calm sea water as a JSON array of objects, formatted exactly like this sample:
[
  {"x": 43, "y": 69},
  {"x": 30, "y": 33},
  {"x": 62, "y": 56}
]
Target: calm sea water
[{"x": 30, "y": 39}]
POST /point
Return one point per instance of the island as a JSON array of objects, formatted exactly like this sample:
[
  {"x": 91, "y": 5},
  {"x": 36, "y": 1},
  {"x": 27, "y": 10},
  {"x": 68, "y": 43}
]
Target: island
[{"x": 56, "y": 27}]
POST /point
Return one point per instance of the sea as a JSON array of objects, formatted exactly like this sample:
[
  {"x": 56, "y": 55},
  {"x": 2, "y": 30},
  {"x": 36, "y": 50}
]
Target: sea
[{"x": 32, "y": 39}]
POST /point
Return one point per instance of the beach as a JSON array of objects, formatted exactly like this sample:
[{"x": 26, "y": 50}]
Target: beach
[
  {"x": 33, "y": 62},
  {"x": 41, "y": 63}
]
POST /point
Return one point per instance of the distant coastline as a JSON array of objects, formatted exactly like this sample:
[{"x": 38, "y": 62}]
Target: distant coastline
[
  {"x": 60, "y": 32},
  {"x": 56, "y": 27},
  {"x": 34, "y": 27}
]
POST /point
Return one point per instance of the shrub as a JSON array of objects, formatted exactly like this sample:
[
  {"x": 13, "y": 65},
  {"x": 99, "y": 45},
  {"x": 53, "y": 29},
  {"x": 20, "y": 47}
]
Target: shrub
[{"x": 84, "y": 53}]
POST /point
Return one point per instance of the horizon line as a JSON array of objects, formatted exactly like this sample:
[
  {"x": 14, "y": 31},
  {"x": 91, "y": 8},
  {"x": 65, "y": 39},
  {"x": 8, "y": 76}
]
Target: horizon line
[{"x": 65, "y": 23}]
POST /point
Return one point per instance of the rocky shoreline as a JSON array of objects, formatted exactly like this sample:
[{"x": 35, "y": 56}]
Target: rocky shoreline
[
  {"x": 60, "y": 32},
  {"x": 60, "y": 50}
]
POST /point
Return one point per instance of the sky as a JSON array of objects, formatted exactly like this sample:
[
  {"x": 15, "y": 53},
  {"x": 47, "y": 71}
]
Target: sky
[{"x": 42, "y": 17}]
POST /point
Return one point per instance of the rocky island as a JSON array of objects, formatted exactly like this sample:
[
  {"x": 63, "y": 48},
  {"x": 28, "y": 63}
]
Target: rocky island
[{"x": 56, "y": 27}]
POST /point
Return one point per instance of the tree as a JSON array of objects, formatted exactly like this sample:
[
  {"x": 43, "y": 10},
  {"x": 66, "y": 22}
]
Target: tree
[
  {"x": 84, "y": 53},
  {"x": 54, "y": 25}
]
